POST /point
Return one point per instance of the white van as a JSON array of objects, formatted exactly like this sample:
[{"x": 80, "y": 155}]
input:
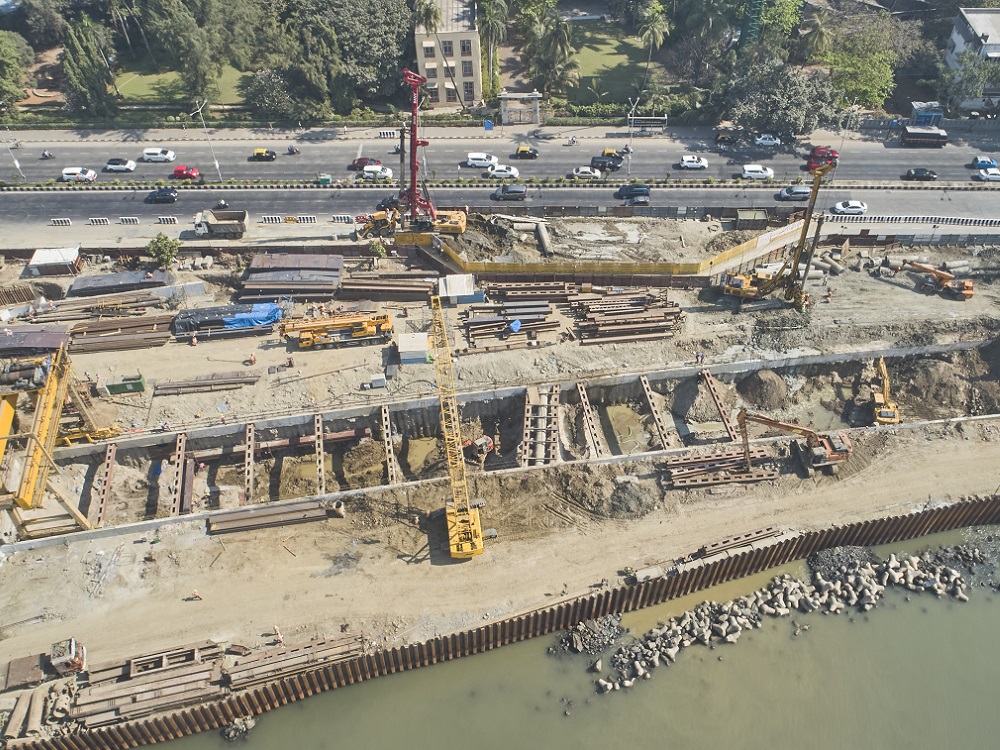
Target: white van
[
  {"x": 480, "y": 160},
  {"x": 158, "y": 154},
  {"x": 376, "y": 172},
  {"x": 78, "y": 174}
]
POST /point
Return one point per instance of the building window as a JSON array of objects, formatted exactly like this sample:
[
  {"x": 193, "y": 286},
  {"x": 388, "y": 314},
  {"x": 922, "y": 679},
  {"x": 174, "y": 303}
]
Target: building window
[
  {"x": 448, "y": 49},
  {"x": 429, "y": 50},
  {"x": 434, "y": 95},
  {"x": 452, "y": 95},
  {"x": 466, "y": 45},
  {"x": 470, "y": 91},
  {"x": 467, "y": 68},
  {"x": 449, "y": 69},
  {"x": 432, "y": 72}
]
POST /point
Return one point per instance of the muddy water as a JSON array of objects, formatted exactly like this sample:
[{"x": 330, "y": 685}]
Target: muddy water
[
  {"x": 417, "y": 452},
  {"x": 914, "y": 675},
  {"x": 624, "y": 428}
]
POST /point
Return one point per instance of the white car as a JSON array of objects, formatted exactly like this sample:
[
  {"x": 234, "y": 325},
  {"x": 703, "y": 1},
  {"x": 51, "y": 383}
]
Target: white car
[
  {"x": 120, "y": 165},
  {"x": 990, "y": 175},
  {"x": 586, "y": 173},
  {"x": 693, "y": 162},
  {"x": 375, "y": 172},
  {"x": 850, "y": 207},
  {"x": 767, "y": 140},
  {"x": 503, "y": 170},
  {"x": 757, "y": 172},
  {"x": 478, "y": 160},
  {"x": 158, "y": 154}
]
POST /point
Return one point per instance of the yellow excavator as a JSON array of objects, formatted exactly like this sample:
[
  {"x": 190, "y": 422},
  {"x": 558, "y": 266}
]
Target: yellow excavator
[
  {"x": 339, "y": 330},
  {"x": 788, "y": 279},
  {"x": 819, "y": 450},
  {"x": 883, "y": 407},
  {"x": 379, "y": 224},
  {"x": 465, "y": 533}
]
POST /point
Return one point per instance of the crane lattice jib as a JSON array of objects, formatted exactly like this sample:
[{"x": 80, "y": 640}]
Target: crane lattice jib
[
  {"x": 464, "y": 531},
  {"x": 44, "y": 431}
]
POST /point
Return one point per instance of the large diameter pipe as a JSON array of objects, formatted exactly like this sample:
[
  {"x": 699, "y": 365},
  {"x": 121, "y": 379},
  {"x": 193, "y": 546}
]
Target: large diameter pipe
[
  {"x": 16, "y": 720},
  {"x": 835, "y": 268},
  {"x": 543, "y": 238},
  {"x": 36, "y": 711}
]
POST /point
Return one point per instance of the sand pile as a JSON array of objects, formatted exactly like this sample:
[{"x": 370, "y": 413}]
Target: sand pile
[
  {"x": 765, "y": 389},
  {"x": 693, "y": 402}
]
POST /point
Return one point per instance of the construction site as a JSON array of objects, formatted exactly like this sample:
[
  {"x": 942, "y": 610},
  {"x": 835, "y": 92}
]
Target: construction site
[{"x": 256, "y": 465}]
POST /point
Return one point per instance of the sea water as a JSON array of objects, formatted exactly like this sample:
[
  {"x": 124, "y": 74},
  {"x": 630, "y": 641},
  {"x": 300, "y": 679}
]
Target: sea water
[{"x": 914, "y": 674}]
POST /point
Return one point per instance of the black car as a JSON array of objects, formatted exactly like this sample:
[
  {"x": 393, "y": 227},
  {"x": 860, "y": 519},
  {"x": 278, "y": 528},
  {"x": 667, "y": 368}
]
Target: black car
[
  {"x": 390, "y": 201},
  {"x": 921, "y": 174},
  {"x": 606, "y": 163},
  {"x": 163, "y": 195}
]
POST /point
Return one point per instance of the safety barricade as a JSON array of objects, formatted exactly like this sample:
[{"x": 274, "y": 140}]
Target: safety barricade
[
  {"x": 291, "y": 219},
  {"x": 166, "y": 219},
  {"x": 270, "y": 219},
  {"x": 388, "y": 134},
  {"x": 306, "y": 219},
  {"x": 342, "y": 219},
  {"x": 62, "y": 223},
  {"x": 99, "y": 222},
  {"x": 128, "y": 220}
]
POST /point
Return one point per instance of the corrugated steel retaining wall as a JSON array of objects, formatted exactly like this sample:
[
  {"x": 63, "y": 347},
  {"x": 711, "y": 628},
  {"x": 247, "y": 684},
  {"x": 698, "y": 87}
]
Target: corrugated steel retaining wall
[{"x": 541, "y": 622}]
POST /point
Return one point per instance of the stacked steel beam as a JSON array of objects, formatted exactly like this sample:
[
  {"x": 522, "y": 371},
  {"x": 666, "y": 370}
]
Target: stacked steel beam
[
  {"x": 116, "y": 334},
  {"x": 301, "y": 277},
  {"x": 621, "y": 317},
  {"x": 386, "y": 288},
  {"x": 717, "y": 467},
  {"x": 107, "y": 305},
  {"x": 493, "y": 320},
  {"x": 512, "y": 291}
]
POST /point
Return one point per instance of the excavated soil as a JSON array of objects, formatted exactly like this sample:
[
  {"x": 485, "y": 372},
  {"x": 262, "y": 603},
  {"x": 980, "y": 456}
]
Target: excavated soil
[
  {"x": 364, "y": 464},
  {"x": 764, "y": 389}
]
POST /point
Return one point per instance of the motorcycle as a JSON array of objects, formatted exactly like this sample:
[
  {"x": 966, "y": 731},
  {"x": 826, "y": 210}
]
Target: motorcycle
[
  {"x": 396, "y": 149},
  {"x": 15, "y": 143},
  {"x": 293, "y": 151},
  {"x": 627, "y": 149},
  {"x": 48, "y": 155},
  {"x": 221, "y": 205},
  {"x": 572, "y": 141}
]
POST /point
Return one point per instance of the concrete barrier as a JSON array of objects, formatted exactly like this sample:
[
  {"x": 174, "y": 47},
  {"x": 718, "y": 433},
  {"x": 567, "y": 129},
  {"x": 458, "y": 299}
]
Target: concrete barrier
[
  {"x": 271, "y": 220},
  {"x": 166, "y": 219},
  {"x": 62, "y": 223},
  {"x": 131, "y": 220},
  {"x": 99, "y": 222}
]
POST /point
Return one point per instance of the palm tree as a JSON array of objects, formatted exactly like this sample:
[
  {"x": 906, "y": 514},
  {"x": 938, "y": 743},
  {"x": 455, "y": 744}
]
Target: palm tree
[
  {"x": 653, "y": 30},
  {"x": 707, "y": 19},
  {"x": 426, "y": 13},
  {"x": 559, "y": 75},
  {"x": 559, "y": 37},
  {"x": 595, "y": 89},
  {"x": 493, "y": 23},
  {"x": 816, "y": 35}
]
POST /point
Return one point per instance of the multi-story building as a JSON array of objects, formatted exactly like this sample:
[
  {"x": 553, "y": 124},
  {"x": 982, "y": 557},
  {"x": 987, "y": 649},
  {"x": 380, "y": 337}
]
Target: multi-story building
[
  {"x": 450, "y": 58},
  {"x": 978, "y": 30}
]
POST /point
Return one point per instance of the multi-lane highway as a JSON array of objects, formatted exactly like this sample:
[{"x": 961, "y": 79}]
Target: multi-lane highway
[
  {"x": 34, "y": 208},
  {"x": 862, "y": 158}
]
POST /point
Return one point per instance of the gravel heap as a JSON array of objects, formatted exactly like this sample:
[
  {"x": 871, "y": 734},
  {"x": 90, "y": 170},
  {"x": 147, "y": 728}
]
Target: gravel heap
[
  {"x": 830, "y": 562},
  {"x": 591, "y": 636}
]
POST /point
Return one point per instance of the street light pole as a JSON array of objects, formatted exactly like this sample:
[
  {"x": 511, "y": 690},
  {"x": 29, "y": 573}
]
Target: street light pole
[
  {"x": 10, "y": 149},
  {"x": 631, "y": 116},
  {"x": 208, "y": 135}
]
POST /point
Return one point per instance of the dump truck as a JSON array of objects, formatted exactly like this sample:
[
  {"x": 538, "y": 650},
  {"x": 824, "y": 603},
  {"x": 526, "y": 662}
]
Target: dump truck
[
  {"x": 340, "y": 330},
  {"x": 221, "y": 223}
]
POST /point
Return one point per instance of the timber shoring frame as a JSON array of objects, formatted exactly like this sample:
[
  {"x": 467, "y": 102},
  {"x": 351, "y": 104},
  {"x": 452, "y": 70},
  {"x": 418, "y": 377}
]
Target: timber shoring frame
[{"x": 257, "y": 700}]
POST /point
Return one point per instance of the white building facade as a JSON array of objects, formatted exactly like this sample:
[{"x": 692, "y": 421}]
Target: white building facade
[
  {"x": 976, "y": 30},
  {"x": 451, "y": 58}
]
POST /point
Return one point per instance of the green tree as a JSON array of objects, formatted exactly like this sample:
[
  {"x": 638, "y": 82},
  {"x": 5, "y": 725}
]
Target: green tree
[
  {"x": 781, "y": 18},
  {"x": 816, "y": 36},
  {"x": 492, "y": 24},
  {"x": 182, "y": 37},
  {"x": 12, "y": 73},
  {"x": 87, "y": 77},
  {"x": 267, "y": 93},
  {"x": 966, "y": 82},
  {"x": 708, "y": 19},
  {"x": 653, "y": 30},
  {"x": 43, "y": 22},
  {"x": 775, "y": 97},
  {"x": 163, "y": 249}
]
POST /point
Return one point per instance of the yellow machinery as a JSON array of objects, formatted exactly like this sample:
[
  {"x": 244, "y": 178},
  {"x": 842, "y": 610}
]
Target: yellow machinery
[
  {"x": 821, "y": 450},
  {"x": 349, "y": 328},
  {"x": 789, "y": 278},
  {"x": 28, "y": 488},
  {"x": 883, "y": 407},
  {"x": 450, "y": 222},
  {"x": 942, "y": 281},
  {"x": 380, "y": 224},
  {"x": 465, "y": 534}
]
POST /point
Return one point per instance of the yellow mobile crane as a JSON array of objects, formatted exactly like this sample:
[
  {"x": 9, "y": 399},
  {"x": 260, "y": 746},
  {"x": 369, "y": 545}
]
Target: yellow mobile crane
[
  {"x": 465, "y": 534},
  {"x": 884, "y": 408},
  {"x": 789, "y": 279},
  {"x": 347, "y": 328}
]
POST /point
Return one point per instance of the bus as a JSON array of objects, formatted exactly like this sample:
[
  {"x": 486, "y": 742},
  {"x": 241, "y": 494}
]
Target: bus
[{"x": 924, "y": 136}]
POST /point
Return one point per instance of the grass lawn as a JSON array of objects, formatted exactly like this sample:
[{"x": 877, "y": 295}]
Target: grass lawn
[
  {"x": 610, "y": 60},
  {"x": 141, "y": 85}
]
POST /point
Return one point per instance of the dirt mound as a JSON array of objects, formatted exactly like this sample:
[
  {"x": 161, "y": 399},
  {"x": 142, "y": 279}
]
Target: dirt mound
[
  {"x": 937, "y": 385},
  {"x": 610, "y": 494},
  {"x": 485, "y": 237},
  {"x": 364, "y": 464},
  {"x": 693, "y": 402},
  {"x": 764, "y": 389}
]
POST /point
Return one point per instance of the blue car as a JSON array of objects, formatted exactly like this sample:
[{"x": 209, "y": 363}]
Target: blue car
[{"x": 984, "y": 162}]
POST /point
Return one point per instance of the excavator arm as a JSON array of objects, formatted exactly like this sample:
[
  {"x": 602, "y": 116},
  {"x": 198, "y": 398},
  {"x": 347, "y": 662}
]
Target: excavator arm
[{"x": 941, "y": 277}]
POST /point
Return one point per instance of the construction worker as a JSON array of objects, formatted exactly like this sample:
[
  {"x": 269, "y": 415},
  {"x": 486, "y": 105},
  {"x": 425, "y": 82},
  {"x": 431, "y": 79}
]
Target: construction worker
[
  {"x": 196, "y": 597},
  {"x": 253, "y": 358}
]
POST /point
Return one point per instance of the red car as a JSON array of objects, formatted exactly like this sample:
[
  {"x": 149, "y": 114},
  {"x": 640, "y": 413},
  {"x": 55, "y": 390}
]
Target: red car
[
  {"x": 821, "y": 155},
  {"x": 364, "y": 161},
  {"x": 186, "y": 173}
]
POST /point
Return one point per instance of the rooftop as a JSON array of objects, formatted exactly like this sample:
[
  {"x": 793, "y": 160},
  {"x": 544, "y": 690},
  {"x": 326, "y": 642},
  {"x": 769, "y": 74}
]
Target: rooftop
[
  {"x": 456, "y": 15},
  {"x": 984, "y": 21}
]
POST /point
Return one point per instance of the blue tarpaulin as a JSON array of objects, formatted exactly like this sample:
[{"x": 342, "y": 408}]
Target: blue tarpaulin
[
  {"x": 516, "y": 325},
  {"x": 262, "y": 314}
]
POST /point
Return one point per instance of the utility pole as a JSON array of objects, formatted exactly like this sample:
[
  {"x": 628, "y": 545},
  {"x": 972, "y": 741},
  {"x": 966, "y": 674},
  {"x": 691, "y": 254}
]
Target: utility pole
[
  {"x": 631, "y": 117},
  {"x": 10, "y": 147},
  {"x": 208, "y": 135}
]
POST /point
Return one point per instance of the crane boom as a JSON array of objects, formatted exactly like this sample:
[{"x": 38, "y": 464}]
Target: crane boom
[
  {"x": 939, "y": 275},
  {"x": 465, "y": 535}
]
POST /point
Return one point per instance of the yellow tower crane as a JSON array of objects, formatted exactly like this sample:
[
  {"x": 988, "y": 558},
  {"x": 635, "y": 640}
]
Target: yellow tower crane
[{"x": 465, "y": 534}]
